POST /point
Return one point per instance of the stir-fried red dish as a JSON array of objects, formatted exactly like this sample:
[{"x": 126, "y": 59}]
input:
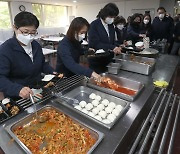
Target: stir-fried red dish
[
  {"x": 59, "y": 133},
  {"x": 111, "y": 84}
]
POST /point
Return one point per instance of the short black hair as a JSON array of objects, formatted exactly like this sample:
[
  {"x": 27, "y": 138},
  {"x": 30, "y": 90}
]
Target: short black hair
[
  {"x": 161, "y": 8},
  {"x": 109, "y": 9},
  {"x": 76, "y": 25},
  {"x": 119, "y": 19},
  {"x": 24, "y": 18}
]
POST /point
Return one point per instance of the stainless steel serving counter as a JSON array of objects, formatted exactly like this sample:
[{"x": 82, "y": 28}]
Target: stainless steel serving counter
[{"x": 121, "y": 136}]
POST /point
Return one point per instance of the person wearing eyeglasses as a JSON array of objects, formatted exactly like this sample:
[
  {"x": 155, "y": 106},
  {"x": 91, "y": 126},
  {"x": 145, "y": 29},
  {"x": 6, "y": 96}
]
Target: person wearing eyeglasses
[{"x": 21, "y": 58}]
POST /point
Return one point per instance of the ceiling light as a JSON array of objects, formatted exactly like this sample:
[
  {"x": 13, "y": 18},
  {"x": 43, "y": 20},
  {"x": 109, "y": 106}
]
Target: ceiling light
[{"x": 74, "y": 1}]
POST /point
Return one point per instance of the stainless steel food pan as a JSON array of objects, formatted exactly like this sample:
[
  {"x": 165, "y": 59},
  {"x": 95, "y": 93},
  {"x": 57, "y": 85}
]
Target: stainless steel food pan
[
  {"x": 113, "y": 68},
  {"x": 82, "y": 93},
  {"x": 124, "y": 82},
  {"x": 26, "y": 120},
  {"x": 137, "y": 64}
]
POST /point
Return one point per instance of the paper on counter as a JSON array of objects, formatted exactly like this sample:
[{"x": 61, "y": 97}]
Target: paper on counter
[
  {"x": 100, "y": 51},
  {"x": 48, "y": 77},
  {"x": 36, "y": 91}
]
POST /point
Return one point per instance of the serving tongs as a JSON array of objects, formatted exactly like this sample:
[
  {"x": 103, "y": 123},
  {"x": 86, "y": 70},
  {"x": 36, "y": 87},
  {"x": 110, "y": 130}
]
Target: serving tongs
[
  {"x": 40, "y": 119},
  {"x": 60, "y": 95}
]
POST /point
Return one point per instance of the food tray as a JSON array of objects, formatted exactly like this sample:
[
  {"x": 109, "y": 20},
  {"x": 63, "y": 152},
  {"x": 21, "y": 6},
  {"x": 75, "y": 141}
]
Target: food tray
[
  {"x": 3, "y": 114},
  {"x": 98, "y": 136},
  {"x": 42, "y": 84},
  {"x": 82, "y": 93},
  {"x": 124, "y": 82},
  {"x": 113, "y": 68},
  {"x": 137, "y": 64},
  {"x": 7, "y": 110}
]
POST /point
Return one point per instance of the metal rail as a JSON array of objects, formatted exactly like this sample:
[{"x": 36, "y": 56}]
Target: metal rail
[
  {"x": 60, "y": 85},
  {"x": 134, "y": 146},
  {"x": 162, "y": 112},
  {"x": 174, "y": 130}
]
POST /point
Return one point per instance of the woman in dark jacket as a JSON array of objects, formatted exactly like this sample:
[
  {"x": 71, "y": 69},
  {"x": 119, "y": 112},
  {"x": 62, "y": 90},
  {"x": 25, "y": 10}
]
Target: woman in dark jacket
[
  {"x": 146, "y": 25},
  {"x": 134, "y": 29},
  {"x": 120, "y": 30},
  {"x": 21, "y": 58},
  {"x": 70, "y": 50},
  {"x": 102, "y": 36}
]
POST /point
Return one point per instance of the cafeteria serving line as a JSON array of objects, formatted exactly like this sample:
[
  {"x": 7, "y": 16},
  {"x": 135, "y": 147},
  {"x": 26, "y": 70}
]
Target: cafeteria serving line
[
  {"x": 118, "y": 137},
  {"x": 130, "y": 105}
]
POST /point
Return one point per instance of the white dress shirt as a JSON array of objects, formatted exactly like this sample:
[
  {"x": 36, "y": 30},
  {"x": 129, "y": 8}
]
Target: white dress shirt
[
  {"x": 105, "y": 26},
  {"x": 28, "y": 50}
]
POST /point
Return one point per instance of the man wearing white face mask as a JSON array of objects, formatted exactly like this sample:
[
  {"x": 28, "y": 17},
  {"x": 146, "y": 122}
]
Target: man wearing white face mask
[
  {"x": 120, "y": 30},
  {"x": 21, "y": 58},
  {"x": 162, "y": 26},
  {"x": 70, "y": 50},
  {"x": 102, "y": 36}
]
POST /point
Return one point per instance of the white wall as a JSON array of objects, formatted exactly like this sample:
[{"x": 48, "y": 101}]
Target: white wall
[
  {"x": 14, "y": 6},
  {"x": 90, "y": 11},
  {"x": 140, "y": 4},
  {"x": 168, "y": 5}
]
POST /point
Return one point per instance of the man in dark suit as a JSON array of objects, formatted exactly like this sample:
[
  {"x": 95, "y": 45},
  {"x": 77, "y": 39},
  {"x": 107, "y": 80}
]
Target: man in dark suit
[{"x": 162, "y": 26}]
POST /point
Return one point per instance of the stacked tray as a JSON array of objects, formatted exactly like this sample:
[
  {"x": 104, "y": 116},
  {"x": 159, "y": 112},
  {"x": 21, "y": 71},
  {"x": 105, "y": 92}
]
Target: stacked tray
[
  {"x": 102, "y": 108},
  {"x": 8, "y": 109},
  {"x": 131, "y": 85},
  {"x": 137, "y": 64},
  {"x": 30, "y": 125}
]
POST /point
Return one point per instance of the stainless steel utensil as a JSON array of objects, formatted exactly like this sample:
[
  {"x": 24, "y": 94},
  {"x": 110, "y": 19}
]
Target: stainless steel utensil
[
  {"x": 59, "y": 94},
  {"x": 39, "y": 118}
]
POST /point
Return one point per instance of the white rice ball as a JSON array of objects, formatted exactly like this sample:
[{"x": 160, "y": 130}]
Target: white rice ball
[
  {"x": 106, "y": 121},
  {"x": 98, "y": 117},
  {"x": 82, "y": 104},
  {"x": 112, "y": 105},
  {"x": 78, "y": 107},
  {"x": 84, "y": 111},
  {"x": 102, "y": 114},
  {"x": 116, "y": 112},
  {"x": 98, "y": 98},
  {"x": 100, "y": 107},
  {"x": 95, "y": 111},
  {"x": 105, "y": 102},
  {"x": 91, "y": 114},
  {"x": 108, "y": 109},
  {"x": 89, "y": 106},
  {"x": 92, "y": 96},
  {"x": 111, "y": 117},
  {"x": 95, "y": 102},
  {"x": 119, "y": 107}
]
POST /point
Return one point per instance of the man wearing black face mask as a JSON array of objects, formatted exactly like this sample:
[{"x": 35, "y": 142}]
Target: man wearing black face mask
[{"x": 134, "y": 29}]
